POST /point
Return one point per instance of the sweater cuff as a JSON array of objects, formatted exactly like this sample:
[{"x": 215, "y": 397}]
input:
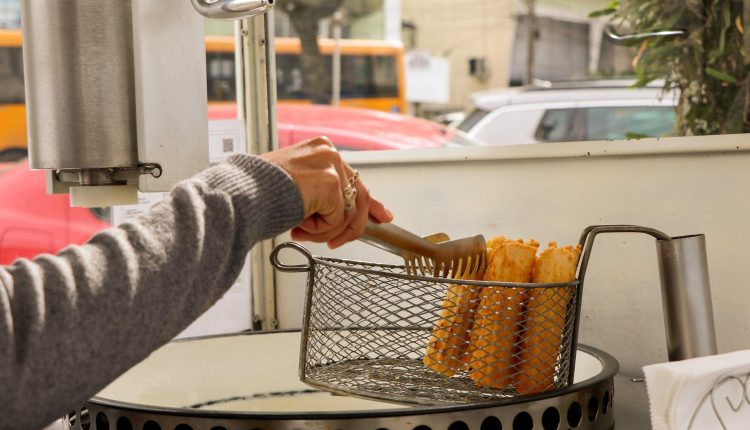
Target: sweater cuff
[{"x": 263, "y": 194}]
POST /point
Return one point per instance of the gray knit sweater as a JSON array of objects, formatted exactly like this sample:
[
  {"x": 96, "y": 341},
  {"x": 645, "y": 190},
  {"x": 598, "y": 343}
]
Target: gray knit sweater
[{"x": 73, "y": 322}]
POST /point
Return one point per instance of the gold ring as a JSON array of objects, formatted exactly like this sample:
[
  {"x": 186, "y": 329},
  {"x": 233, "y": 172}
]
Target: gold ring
[{"x": 350, "y": 193}]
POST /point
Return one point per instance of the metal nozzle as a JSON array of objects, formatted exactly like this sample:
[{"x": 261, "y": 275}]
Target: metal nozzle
[{"x": 686, "y": 297}]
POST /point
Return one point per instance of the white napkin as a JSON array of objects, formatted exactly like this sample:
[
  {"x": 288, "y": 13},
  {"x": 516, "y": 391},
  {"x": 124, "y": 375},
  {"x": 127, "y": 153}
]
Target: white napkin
[{"x": 700, "y": 393}]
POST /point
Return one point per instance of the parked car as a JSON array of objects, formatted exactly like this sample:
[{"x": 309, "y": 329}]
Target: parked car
[
  {"x": 33, "y": 222},
  {"x": 353, "y": 129},
  {"x": 595, "y": 110}
]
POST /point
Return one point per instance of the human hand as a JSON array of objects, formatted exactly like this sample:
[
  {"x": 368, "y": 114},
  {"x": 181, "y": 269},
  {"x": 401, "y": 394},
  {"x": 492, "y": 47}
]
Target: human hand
[{"x": 321, "y": 176}]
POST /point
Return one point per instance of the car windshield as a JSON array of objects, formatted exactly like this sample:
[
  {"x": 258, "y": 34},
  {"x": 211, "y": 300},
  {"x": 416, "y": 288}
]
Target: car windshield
[{"x": 471, "y": 120}]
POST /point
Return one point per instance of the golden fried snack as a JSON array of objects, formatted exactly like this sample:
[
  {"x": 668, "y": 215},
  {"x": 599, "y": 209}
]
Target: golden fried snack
[
  {"x": 498, "y": 317},
  {"x": 446, "y": 349},
  {"x": 545, "y": 319}
]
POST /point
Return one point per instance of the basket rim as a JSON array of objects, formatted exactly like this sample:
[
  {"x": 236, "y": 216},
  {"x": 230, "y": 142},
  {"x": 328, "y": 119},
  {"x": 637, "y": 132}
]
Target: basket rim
[{"x": 345, "y": 264}]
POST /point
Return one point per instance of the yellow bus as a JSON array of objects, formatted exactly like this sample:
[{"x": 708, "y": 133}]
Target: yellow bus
[
  {"x": 12, "y": 108},
  {"x": 372, "y": 72},
  {"x": 372, "y": 76}
]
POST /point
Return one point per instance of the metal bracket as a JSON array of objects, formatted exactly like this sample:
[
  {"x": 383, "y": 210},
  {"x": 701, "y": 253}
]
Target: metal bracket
[{"x": 232, "y": 9}]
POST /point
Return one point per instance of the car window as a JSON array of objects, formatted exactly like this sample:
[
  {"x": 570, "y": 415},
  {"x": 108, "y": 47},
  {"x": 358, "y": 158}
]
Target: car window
[
  {"x": 624, "y": 122},
  {"x": 471, "y": 120},
  {"x": 508, "y": 127},
  {"x": 556, "y": 125}
]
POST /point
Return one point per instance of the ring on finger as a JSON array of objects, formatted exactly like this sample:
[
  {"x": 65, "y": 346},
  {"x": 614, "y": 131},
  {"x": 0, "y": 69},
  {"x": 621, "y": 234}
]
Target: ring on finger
[{"x": 350, "y": 193}]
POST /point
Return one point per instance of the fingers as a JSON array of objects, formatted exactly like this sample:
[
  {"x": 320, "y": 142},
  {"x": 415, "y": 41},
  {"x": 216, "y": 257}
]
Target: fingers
[
  {"x": 378, "y": 211},
  {"x": 322, "y": 176}
]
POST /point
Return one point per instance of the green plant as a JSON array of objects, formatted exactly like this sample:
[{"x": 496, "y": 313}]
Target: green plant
[{"x": 708, "y": 65}]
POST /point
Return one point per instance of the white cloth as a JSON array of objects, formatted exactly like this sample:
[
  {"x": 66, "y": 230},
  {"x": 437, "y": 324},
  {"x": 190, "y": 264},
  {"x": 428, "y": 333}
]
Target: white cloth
[{"x": 700, "y": 393}]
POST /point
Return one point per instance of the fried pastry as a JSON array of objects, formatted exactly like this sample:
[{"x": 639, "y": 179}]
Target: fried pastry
[
  {"x": 546, "y": 308},
  {"x": 492, "y": 340}
]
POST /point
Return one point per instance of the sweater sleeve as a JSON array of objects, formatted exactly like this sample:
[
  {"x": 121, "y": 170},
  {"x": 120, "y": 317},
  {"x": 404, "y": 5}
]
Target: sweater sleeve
[{"x": 73, "y": 322}]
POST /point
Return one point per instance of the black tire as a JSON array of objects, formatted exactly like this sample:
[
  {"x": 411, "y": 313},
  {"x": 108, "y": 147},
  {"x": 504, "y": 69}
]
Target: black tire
[{"x": 9, "y": 155}]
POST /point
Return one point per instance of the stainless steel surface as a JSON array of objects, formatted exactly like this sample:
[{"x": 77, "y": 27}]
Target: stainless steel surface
[
  {"x": 366, "y": 328},
  {"x": 78, "y": 65},
  {"x": 686, "y": 297},
  {"x": 247, "y": 381},
  {"x": 461, "y": 258},
  {"x": 232, "y": 9},
  {"x": 631, "y": 403}
]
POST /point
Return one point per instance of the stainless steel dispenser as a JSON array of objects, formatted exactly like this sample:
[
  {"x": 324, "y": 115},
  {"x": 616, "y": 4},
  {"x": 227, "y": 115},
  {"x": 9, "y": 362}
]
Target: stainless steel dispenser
[
  {"x": 685, "y": 288},
  {"x": 116, "y": 93},
  {"x": 80, "y": 92}
]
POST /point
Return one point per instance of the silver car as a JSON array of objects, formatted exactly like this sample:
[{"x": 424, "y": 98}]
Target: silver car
[{"x": 595, "y": 110}]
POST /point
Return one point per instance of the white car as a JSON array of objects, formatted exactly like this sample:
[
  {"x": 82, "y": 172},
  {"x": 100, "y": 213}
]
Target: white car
[{"x": 595, "y": 110}]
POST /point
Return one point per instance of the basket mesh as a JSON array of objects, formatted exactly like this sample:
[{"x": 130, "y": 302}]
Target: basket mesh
[{"x": 419, "y": 340}]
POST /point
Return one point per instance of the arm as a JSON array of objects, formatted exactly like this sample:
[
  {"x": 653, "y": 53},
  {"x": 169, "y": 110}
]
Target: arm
[{"x": 73, "y": 322}]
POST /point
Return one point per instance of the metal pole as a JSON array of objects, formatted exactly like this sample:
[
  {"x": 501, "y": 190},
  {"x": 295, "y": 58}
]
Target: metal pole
[
  {"x": 336, "y": 59},
  {"x": 530, "y": 42}
]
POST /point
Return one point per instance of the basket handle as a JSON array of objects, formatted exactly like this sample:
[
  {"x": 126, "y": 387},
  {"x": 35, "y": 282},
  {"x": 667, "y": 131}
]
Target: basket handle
[{"x": 292, "y": 267}]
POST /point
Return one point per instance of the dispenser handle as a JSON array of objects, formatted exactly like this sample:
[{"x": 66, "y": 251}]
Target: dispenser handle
[{"x": 232, "y": 9}]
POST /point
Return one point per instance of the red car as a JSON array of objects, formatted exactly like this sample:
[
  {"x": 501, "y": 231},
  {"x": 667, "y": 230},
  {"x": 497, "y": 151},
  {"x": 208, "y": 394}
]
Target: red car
[
  {"x": 352, "y": 128},
  {"x": 33, "y": 222}
]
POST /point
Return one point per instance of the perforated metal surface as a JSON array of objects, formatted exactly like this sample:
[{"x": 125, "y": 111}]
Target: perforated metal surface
[{"x": 369, "y": 327}]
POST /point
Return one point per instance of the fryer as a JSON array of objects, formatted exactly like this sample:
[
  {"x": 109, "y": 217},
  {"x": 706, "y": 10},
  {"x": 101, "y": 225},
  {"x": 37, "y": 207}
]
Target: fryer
[{"x": 247, "y": 381}]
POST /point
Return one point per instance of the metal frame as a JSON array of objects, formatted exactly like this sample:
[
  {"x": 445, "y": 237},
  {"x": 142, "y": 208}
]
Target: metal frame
[
  {"x": 341, "y": 264},
  {"x": 595, "y": 391}
]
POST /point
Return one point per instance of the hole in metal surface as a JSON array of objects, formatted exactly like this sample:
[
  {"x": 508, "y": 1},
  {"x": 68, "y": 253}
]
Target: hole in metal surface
[
  {"x": 551, "y": 419},
  {"x": 183, "y": 427},
  {"x": 102, "y": 423},
  {"x": 574, "y": 414},
  {"x": 422, "y": 428},
  {"x": 71, "y": 418},
  {"x": 218, "y": 428},
  {"x": 491, "y": 423},
  {"x": 523, "y": 421},
  {"x": 124, "y": 424},
  {"x": 593, "y": 409},
  {"x": 85, "y": 419},
  {"x": 458, "y": 425},
  {"x": 151, "y": 425},
  {"x": 605, "y": 403}
]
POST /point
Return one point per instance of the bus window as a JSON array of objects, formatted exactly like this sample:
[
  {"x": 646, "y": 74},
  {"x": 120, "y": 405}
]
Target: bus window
[
  {"x": 289, "y": 79},
  {"x": 362, "y": 77},
  {"x": 368, "y": 76},
  {"x": 221, "y": 76},
  {"x": 11, "y": 75}
]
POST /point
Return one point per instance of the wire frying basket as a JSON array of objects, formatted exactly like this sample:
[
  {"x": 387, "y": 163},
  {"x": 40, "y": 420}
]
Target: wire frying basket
[{"x": 373, "y": 331}]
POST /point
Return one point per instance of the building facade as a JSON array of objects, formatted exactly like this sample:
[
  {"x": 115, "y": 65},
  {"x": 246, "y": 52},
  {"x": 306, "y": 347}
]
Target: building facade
[{"x": 475, "y": 36}]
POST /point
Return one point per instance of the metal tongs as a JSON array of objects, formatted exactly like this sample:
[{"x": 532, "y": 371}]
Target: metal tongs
[{"x": 433, "y": 255}]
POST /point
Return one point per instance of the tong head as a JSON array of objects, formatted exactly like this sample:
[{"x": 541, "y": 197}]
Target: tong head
[
  {"x": 434, "y": 255},
  {"x": 459, "y": 259}
]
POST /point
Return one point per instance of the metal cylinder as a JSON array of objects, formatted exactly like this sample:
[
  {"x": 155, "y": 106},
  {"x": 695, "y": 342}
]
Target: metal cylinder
[
  {"x": 80, "y": 85},
  {"x": 686, "y": 297}
]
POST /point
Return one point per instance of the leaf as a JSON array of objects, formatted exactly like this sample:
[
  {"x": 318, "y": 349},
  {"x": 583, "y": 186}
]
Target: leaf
[
  {"x": 738, "y": 24},
  {"x": 602, "y": 12},
  {"x": 720, "y": 75},
  {"x": 727, "y": 13},
  {"x": 634, "y": 135}
]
